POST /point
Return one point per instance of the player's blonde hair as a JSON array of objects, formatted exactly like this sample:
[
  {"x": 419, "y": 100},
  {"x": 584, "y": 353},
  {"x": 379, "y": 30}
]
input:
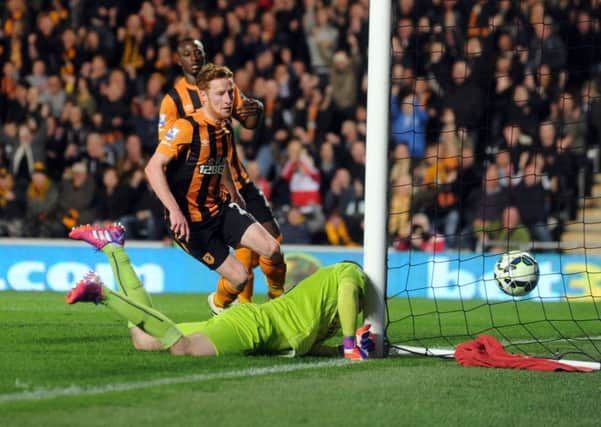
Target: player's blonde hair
[{"x": 211, "y": 72}]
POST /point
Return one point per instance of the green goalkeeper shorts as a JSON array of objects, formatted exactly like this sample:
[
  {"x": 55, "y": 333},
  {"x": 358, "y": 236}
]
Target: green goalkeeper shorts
[{"x": 241, "y": 329}]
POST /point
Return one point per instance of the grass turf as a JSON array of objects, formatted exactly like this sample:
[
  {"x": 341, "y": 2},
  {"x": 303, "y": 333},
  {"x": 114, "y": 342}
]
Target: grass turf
[{"x": 49, "y": 346}]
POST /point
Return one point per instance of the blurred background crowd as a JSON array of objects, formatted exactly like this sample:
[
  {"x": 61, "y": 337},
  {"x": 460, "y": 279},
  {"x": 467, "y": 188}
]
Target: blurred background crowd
[{"x": 495, "y": 113}]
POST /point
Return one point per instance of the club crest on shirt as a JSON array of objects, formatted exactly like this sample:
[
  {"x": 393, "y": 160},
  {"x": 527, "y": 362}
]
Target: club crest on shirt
[
  {"x": 171, "y": 134},
  {"x": 208, "y": 258},
  {"x": 162, "y": 120}
]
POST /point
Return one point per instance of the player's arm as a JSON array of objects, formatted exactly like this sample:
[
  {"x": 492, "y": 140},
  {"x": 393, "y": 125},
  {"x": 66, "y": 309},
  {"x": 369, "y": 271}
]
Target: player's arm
[
  {"x": 165, "y": 152},
  {"x": 356, "y": 344},
  {"x": 348, "y": 305},
  {"x": 167, "y": 116},
  {"x": 227, "y": 180},
  {"x": 247, "y": 111}
]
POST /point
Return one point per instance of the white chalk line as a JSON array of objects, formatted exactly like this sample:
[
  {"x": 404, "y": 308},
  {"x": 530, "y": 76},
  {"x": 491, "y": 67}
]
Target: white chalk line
[{"x": 75, "y": 390}]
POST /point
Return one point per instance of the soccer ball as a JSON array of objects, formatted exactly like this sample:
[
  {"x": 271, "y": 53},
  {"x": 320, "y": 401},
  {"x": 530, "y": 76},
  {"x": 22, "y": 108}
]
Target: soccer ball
[{"x": 516, "y": 273}]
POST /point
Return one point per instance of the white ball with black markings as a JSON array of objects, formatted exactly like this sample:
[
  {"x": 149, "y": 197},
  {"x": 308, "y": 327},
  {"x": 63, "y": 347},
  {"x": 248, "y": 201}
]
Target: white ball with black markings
[{"x": 516, "y": 273}]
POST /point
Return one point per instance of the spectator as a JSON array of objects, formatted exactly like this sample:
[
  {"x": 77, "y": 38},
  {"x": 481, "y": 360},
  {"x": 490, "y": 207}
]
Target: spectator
[
  {"x": 509, "y": 235},
  {"x": 42, "y": 201},
  {"x": 113, "y": 200},
  {"x": 321, "y": 37},
  {"x": 144, "y": 124},
  {"x": 530, "y": 198},
  {"x": 96, "y": 157},
  {"x": 518, "y": 146},
  {"x": 147, "y": 219},
  {"x": 486, "y": 206},
  {"x": 356, "y": 164},
  {"x": 133, "y": 159},
  {"x": 354, "y": 210},
  {"x": 400, "y": 205},
  {"x": 591, "y": 100},
  {"x": 344, "y": 77},
  {"x": 38, "y": 77},
  {"x": 464, "y": 97},
  {"x": 75, "y": 131},
  {"x": 469, "y": 179},
  {"x": 571, "y": 123},
  {"x": 84, "y": 98},
  {"x": 11, "y": 209},
  {"x": 562, "y": 173},
  {"x": 254, "y": 174},
  {"x": 294, "y": 228},
  {"x": 303, "y": 177},
  {"x": 523, "y": 111},
  {"x": 55, "y": 95},
  {"x": 113, "y": 107},
  {"x": 546, "y": 45},
  {"x": 401, "y": 162},
  {"x": 338, "y": 199},
  {"x": 419, "y": 236},
  {"x": 75, "y": 201},
  {"x": 408, "y": 121},
  {"x": 339, "y": 194},
  {"x": 28, "y": 151}
]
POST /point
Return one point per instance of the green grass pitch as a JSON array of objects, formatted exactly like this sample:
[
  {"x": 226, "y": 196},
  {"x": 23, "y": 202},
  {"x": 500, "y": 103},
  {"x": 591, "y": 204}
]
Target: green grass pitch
[{"x": 66, "y": 365}]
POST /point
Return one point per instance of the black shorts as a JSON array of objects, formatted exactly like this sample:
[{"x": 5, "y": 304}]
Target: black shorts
[
  {"x": 210, "y": 240},
  {"x": 256, "y": 203}
]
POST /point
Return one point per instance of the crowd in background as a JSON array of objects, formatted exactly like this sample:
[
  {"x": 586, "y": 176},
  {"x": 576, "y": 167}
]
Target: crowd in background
[{"x": 495, "y": 113}]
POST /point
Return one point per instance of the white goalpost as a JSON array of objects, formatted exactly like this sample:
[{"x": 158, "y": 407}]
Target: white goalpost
[
  {"x": 375, "y": 248},
  {"x": 376, "y": 168}
]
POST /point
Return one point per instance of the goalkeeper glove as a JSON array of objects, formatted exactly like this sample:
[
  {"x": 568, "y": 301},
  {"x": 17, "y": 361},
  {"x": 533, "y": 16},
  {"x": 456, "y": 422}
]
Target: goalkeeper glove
[
  {"x": 359, "y": 346},
  {"x": 364, "y": 339}
]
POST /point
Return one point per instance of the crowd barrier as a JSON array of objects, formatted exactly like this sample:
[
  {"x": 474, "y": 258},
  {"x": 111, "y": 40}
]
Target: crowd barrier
[{"x": 56, "y": 265}]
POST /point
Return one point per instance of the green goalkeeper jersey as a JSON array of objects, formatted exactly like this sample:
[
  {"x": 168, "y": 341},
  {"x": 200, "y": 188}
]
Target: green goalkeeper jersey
[
  {"x": 309, "y": 313},
  {"x": 299, "y": 321}
]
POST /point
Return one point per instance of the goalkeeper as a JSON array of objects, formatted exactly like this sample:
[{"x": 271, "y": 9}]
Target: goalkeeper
[{"x": 297, "y": 323}]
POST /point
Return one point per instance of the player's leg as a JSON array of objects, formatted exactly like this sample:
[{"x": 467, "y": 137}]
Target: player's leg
[
  {"x": 271, "y": 258},
  {"x": 250, "y": 260},
  {"x": 274, "y": 269},
  {"x": 91, "y": 289},
  {"x": 257, "y": 206},
  {"x": 110, "y": 240},
  {"x": 234, "y": 223},
  {"x": 246, "y": 295},
  {"x": 235, "y": 276}
]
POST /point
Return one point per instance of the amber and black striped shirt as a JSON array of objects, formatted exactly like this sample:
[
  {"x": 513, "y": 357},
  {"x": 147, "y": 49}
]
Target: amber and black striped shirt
[
  {"x": 199, "y": 149},
  {"x": 184, "y": 100}
]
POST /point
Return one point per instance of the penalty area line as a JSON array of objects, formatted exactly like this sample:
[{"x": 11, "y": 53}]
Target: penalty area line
[{"x": 75, "y": 390}]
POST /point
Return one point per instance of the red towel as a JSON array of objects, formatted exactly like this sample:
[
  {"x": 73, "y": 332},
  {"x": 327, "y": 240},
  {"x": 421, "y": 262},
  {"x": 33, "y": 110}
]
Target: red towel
[{"x": 488, "y": 352}]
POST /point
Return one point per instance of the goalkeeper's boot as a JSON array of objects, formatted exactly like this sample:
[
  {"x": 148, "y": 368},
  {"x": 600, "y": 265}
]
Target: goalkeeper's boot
[
  {"x": 99, "y": 236},
  {"x": 88, "y": 289}
]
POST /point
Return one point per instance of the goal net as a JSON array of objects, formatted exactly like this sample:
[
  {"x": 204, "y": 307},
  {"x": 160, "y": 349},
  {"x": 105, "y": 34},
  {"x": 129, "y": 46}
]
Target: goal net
[{"x": 495, "y": 119}]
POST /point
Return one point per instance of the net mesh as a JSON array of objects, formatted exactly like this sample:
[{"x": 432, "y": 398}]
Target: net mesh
[{"x": 495, "y": 124}]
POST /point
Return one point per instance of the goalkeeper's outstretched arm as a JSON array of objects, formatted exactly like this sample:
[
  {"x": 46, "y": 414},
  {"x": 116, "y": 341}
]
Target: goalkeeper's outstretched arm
[{"x": 356, "y": 344}]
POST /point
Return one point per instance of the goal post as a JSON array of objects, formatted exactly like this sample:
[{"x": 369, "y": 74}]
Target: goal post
[
  {"x": 424, "y": 300},
  {"x": 376, "y": 168}
]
